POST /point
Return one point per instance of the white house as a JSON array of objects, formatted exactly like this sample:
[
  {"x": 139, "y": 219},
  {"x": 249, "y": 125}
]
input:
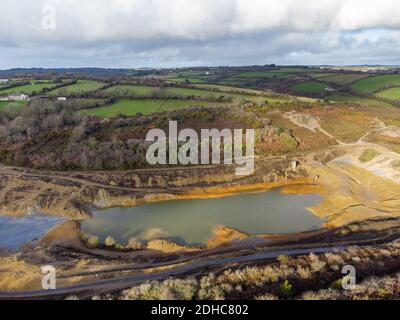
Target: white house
[
  {"x": 3, "y": 80},
  {"x": 18, "y": 97},
  {"x": 62, "y": 99}
]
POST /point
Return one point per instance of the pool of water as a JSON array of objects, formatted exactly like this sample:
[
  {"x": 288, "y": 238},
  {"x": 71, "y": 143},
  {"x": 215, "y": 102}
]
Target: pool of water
[
  {"x": 193, "y": 221},
  {"x": 14, "y": 232}
]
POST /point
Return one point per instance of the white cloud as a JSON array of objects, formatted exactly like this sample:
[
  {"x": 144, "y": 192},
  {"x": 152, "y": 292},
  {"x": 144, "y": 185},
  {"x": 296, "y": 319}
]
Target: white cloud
[{"x": 155, "y": 31}]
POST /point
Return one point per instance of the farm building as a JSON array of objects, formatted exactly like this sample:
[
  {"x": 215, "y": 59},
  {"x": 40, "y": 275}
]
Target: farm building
[{"x": 18, "y": 97}]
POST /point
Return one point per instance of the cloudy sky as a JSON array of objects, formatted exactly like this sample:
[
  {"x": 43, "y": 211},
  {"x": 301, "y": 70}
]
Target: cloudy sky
[{"x": 166, "y": 33}]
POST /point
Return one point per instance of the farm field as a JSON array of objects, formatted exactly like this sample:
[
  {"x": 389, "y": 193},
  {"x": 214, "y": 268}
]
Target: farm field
[
  {"x": 7, "y": 84},
  {"x": 310, "y": 87},
  {"x": 132, "y": 107},
  {"x": 190, "y": 76},
  {"x": 321, "y": 75},
  {"x": 345, "y": 79},
  {"x": 228, "y": 89},
  {"x": 392, "y": 93},
  {"x": 29, "y": 89},
  {"x": 240, "y": 78},
  {"x": 346, "y": 98},
  {"x": 295, "y": 69},
  {"x": 241, "y": 82},
  {"x": 186, "y": 92},
  {"x": 81, "y": 86},
  {"x": 376, "y": 83},
  {"x": 130, "y": 89},
  {"x": 261, "y": 74},
  {"x": 197, "y": 92},
  {"x": 189, "y": 80}
]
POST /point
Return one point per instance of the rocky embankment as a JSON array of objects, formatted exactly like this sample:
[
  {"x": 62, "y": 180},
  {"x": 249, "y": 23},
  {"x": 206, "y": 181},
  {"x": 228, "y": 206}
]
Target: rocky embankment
[{"x": 73, "y": 194}]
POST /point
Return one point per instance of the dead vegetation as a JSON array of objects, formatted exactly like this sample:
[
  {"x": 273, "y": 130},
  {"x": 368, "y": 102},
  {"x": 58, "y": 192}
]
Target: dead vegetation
[{"x": 313, "y": 276}]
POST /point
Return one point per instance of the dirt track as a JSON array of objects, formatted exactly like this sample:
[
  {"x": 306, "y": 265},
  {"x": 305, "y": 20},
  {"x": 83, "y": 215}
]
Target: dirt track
[{"x": 101, "y": 286}]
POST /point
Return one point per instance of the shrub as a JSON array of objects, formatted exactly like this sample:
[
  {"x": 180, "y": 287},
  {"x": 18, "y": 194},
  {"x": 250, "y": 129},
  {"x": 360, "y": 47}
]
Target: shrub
[
  {"x": 286, "y": 289},
  {"x": 396, "y": 164},
  {"x": 288, "y": 141},
  {"x": 333, "y": 258},
  {"x": 170, "y": 289},
  {"x": 210, "y": 289},
  {"x": 267, "y": 296},
  {"x": 110, "y": 242},
  {"x": 315, "y": 263},
  {"x": 368, "y": 155},
  {"x": 135, "y": 244},
  {"x": 325, "y": 294},
  {"x": 303, "y": 273},
  {"x": 337, "y": 285},
  {"x": 283, "y": 259},
  {"x": 92, "y": 242}
]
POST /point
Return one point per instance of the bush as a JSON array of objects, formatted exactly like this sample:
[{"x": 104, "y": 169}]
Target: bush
[
  {"x": 110, "y": 242},
  {"x": 396, "y": 164},
  {"x": 283, "y": 259},
  {"x": 92, "y": 242},
  {"x": 286, "y": 289},
  {"x": 170, "y": 289},
  {"x": 135, "y": 244},
  {"x": 337, "y": 285},
  {"x": 368, "y": 155},
  {"x": 267, "y": 296}
]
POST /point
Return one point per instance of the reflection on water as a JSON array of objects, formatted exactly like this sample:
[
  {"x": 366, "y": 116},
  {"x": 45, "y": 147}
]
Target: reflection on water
[
  {"x": 193, "y": 221},
  {"x": 15, "y": 232}
]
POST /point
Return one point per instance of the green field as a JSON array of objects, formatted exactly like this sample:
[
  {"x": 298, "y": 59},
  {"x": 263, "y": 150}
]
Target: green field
[
  {"x": 345, "y": 79},
  {"x": 392, "y": 93},
  {"x": 187, "y": 92},
  {"x": 29, "y": 89},
  {"x": 204, "y": 94},
  {"x": 124, "y": 90},
  {"x": 295, "y": 69},
  {"x": 261, "y": 74},
  {"x": 81, "y": 86},
  {"x": 234, "y": 82},
  {"x": 373, "y": 84},
  {"x": 200, "y": 93},
  {"x": 346, "y": 98},
  {"x": 310, "y": 87},
  {"x": 191, "y": 80},
  {"x": 132, "y": 107},
  {"x": 228, "y": 89},
  {"x": 321, "y": 75},
  {"x": 190, "y": 76}
]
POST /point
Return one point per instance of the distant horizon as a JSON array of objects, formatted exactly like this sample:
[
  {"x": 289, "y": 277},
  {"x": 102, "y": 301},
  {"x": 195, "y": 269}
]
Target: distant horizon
[{"x": 201, "y": 66}]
